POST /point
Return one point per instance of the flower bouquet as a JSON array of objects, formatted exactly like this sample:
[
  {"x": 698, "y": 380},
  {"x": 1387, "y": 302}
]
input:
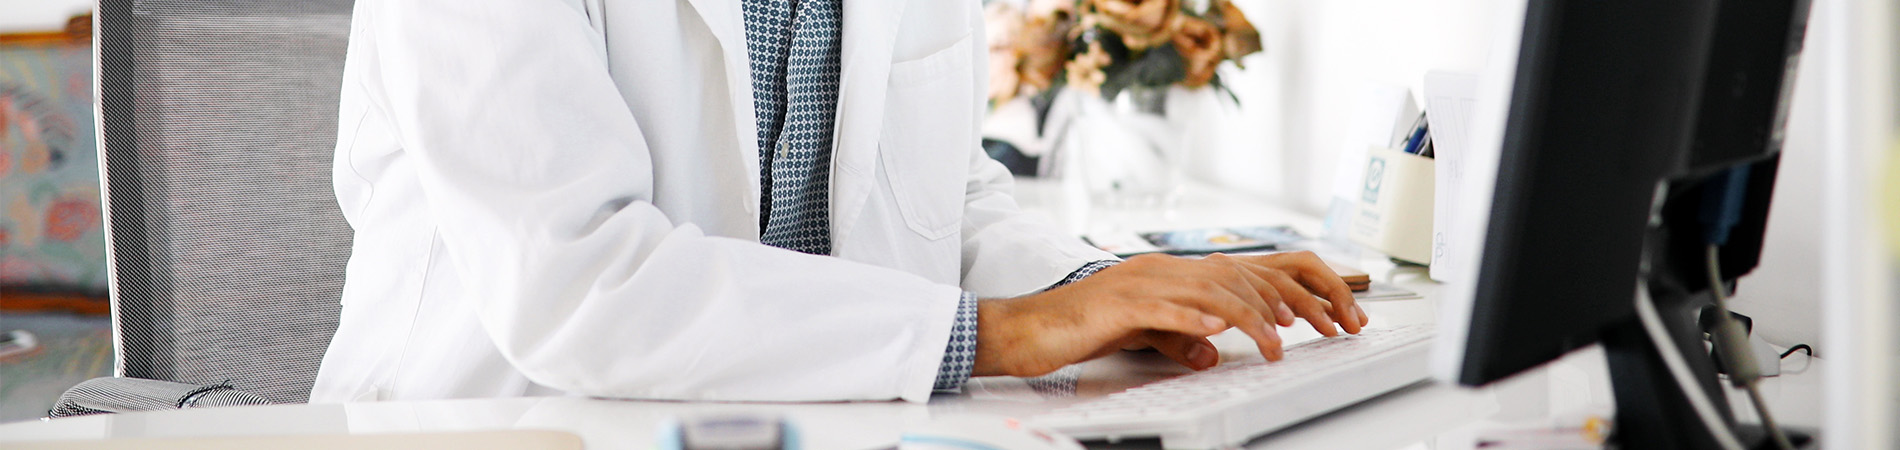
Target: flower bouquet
[
  {"x": 1140, "y": 71},
  {"x": 1106, "y": 46}
]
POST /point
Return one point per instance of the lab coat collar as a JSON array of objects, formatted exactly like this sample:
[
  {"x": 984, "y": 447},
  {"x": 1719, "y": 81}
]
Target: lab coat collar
[
  {"x": 724, "y": 19},
  {"x": 870, "y": 30}
]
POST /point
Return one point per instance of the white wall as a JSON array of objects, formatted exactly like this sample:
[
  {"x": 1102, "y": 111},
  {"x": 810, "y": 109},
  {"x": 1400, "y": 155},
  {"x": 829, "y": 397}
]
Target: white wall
[
  {"x": 1782, "y": 295},
  {"x": 1857, "y": 287},
  {"x": 39, "y": 15},
  {"x": 1296, "y": 98}
]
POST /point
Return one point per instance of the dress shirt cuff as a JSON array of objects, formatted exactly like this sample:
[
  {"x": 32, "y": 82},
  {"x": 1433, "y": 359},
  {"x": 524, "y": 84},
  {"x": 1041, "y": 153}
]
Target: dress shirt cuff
[
  {"x": 1084, "y": 272},
  {"x": 960, "y": 357}
]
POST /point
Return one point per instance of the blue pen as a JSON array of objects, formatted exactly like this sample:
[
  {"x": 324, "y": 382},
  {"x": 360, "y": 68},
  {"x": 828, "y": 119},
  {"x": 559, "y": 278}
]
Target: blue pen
[{"x": 1418, "y": 136}]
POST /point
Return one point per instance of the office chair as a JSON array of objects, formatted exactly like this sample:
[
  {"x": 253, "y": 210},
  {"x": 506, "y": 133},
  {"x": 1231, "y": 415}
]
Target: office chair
[{"x": 226, "y": 248}]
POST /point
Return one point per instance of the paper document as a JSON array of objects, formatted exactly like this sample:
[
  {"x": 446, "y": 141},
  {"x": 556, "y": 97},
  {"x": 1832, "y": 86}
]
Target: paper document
[{"x": 1450, "y": 100}]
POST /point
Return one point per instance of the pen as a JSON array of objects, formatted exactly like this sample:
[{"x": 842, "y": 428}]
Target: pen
[
  {"x": 1406, "y": 139},
  {"x": 1418, "y": 137}
]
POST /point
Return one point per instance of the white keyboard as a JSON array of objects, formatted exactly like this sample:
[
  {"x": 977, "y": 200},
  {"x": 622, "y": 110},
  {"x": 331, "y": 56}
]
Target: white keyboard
[{"x": 1232, "y": 403}]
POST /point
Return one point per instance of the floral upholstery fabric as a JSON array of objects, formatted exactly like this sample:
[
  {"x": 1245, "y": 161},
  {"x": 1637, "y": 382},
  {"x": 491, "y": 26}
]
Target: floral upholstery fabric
[{"x": 50, "y": 229}]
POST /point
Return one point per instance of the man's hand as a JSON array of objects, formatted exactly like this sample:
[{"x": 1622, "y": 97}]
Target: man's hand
[{"x": 1165, "y": 302}]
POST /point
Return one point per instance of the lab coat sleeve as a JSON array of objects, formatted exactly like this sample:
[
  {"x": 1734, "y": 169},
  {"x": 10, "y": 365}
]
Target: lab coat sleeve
[
  {"x": 1007, "y": 252},
  {"x": 540, "y": 184}
]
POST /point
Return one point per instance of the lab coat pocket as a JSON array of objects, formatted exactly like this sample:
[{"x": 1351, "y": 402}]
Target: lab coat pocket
[{"x": 927, "y": 138}]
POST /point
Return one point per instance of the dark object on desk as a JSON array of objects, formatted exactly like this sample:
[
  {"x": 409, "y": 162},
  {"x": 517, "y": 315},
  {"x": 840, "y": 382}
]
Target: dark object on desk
[
  {"x": 1018, "y": 163},
  {"x": 1356, "y": 279},
  {"x": 1623, "y": 114},
  {"x": 220, "y": 280}
]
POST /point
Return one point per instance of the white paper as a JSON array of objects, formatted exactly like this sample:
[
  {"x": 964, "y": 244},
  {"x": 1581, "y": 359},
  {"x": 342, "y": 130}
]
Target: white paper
[
  {"x": 1479, "y": 178},
  {"x": 1450, "y": 100}
]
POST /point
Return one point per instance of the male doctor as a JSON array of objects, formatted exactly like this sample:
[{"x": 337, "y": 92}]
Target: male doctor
[{"x": 773, "y": 200}]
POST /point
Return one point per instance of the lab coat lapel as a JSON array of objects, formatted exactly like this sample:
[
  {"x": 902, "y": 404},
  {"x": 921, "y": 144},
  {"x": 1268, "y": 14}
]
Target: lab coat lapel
[
  {"x": 728, "y": 26},
  {"x": 870, "y": 30}
]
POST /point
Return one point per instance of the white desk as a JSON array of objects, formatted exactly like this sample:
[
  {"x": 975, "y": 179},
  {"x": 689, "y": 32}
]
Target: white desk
[{"x": 1425, "y": 416}]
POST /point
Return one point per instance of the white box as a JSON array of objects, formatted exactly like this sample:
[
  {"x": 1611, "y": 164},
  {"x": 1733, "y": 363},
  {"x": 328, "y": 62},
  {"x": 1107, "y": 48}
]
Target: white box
[{"x": 1395, "y": 205}]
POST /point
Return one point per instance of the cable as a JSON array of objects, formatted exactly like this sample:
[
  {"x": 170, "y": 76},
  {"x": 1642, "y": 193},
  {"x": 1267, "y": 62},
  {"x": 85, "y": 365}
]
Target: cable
[
  {"x": 1798, "y": 347},
  {"x": 1679, "y": 369},
  {"x": 1736, "y": 354},
  {"x": 1724, "y": 197}
]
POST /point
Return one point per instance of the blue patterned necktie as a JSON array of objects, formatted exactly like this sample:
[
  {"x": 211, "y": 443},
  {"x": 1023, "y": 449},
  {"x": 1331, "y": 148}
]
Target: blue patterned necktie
[{"x": 795, "y": 47}]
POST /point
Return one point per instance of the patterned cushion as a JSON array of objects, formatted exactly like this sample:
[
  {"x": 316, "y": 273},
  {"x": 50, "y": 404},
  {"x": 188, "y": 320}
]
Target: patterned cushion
[{"x": 116, "y": 395}]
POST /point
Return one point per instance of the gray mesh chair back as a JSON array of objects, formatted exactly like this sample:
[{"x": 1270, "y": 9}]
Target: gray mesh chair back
[{"x": 218, "y": 124}]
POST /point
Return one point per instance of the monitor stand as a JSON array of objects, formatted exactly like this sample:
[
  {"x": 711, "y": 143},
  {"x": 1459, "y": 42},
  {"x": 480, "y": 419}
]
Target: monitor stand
[{"x": 1652, "y": 410}]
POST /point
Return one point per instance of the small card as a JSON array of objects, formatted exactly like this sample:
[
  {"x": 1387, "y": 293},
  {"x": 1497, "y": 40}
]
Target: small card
[
  {"x": 1383, "y": 291},
  {"x": 1356, "y": 279},
  {"x": 1196, "y": 241}
]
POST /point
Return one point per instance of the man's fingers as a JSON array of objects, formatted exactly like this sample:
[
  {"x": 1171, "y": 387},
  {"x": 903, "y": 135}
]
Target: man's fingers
[
  {"x": 1191, "y": 351},
  {"x": 1243, "y": 317},
  {"x": 1168, "y": 316},
  {"x": 1316, "y": 277},
  {"x": 1320, "y": 279},
  {"x": 1211, "y": 288},
  {"x": 1205, "y": 316},
  {"x": 1269, "y": 305},
  {"x": 1303, "y": 303}
]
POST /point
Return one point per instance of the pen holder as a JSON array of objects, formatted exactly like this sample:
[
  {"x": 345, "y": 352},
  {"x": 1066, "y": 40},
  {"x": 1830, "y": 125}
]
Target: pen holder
[{"x": 1395, "y": 205}]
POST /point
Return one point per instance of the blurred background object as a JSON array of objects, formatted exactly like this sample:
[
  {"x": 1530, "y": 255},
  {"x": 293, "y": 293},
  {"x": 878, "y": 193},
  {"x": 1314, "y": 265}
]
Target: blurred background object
[
  {"x": 51, "y": 241},
  {"x": 52, "y": 249},
  {"x": 1115, "y": 92},
  {"x": 1858, "y": 87}
]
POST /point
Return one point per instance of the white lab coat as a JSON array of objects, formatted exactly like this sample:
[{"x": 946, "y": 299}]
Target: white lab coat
[{"x": 562, "y": 196}]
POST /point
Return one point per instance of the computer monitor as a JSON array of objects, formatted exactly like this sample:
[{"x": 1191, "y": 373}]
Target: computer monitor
[{"x": 1627, "y": 120}]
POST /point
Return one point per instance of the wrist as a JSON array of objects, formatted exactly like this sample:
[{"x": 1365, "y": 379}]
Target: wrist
[
  {"x": 995, "y": 336},
  {"x": 1016, "y": 336}
]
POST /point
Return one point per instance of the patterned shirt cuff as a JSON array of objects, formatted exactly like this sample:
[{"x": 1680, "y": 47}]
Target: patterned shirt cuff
[
  {"x": 1084, "y": 272},
  {"x": 960, "y": 357}
]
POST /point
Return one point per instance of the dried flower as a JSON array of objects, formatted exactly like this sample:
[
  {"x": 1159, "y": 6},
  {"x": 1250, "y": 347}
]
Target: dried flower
[
  {"x": 1141, "y": 23},
  {"x": 1105, "y": 46},
  {"x": 1005, "y": 25},
  {"x": 1085, "y": 71},
  {"x": 1051, "y": 8},
  {"x": 1199, "y": 43},
  {"x": 1044, "y": 43},
  {"x": 1238, "y": 37},
  {"x": 1004, "y": 82}
]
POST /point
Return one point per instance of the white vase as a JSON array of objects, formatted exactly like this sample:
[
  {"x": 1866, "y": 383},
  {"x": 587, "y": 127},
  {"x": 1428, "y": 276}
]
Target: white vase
[{"x": 1128, "y": 150}]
